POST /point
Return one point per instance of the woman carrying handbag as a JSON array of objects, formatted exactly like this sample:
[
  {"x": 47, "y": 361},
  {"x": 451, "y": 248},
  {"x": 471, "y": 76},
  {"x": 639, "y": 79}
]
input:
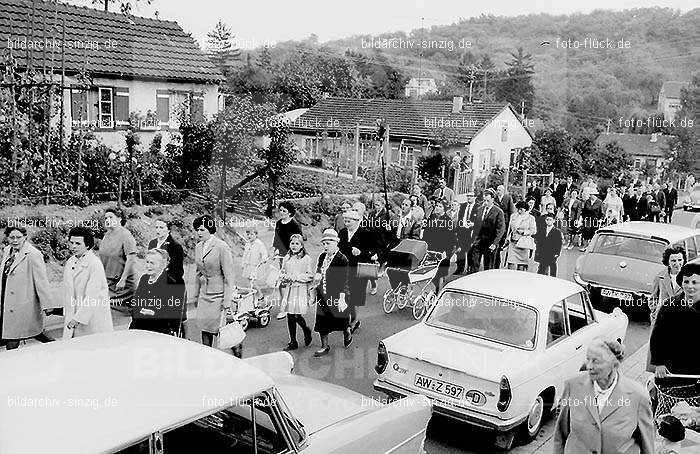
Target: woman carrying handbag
[{"x": 521, "y": 229}]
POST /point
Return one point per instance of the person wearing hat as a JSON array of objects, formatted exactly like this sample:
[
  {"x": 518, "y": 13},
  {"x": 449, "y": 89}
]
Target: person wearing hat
[
  {"x": 331, "y": 283},
  {"x": 357, "y": 244},
  {"x": 592, "y": 215},
  {"x": 520, "y": 240},
  {"x": 549, "y": 246},
  {"x": 464, "y": 223},
  {"x": 489, "y": 228}
]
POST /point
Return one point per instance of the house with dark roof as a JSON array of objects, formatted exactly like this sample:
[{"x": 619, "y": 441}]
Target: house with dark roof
[
  {"x": 138, "y": 69},
  {"x": 483, "y": 135},
  {"x": 670, "y": 98},
  {"x": 646, "y": 150}
]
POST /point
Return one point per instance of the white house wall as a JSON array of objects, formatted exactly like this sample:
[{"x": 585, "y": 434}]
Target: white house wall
[
  {"x": 142, "y": 97},
  {"x": 490, "y": 138}
]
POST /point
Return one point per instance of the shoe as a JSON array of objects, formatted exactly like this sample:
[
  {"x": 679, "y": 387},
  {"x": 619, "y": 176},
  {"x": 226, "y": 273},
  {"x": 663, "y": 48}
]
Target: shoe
[
  {"x": 281, "y": 315},
  {"x": 347, "y": 338},
  {"x": 373, "y": 291},
  {"x": 291, "y": 346},
  {"x": 583, "y": 249},
  {"x": 356, "y": 326},
  {"x": 322, "y": 352},
  {"x": 307, "y": 338}
]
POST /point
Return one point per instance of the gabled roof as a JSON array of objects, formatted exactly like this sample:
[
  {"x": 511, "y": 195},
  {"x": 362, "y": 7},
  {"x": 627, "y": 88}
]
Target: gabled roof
[
  {"x": 672, "y": 88},
  {"x": 142, "y": 48},
  {"x": 638, "y": 144},
  {"x": 406, "y": 118}
]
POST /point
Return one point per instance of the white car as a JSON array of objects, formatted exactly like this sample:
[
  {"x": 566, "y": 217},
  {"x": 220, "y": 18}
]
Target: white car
[{"x": 495, "y": 349}]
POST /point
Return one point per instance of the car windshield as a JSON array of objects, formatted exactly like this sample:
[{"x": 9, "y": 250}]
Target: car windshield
[
  {"x": 629, "y": 247},
  {"x": 487, "y": 317}
]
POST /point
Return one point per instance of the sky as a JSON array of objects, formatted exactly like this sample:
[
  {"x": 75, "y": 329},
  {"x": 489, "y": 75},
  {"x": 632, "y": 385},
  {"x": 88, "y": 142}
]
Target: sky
[{"x": 266, "y": 22}]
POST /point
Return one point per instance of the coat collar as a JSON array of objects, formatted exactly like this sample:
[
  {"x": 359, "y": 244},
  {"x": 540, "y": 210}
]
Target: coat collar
[
  {"x": 21, "y": 254},
  {"x": 589, "y": 401},
  {"x": 619, "y": 396}
]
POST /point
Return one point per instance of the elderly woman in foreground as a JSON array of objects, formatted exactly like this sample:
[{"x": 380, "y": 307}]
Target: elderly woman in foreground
[{"x": 603, "y": 411}]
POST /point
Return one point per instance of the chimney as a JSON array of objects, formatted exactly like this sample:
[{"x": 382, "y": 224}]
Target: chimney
[
  {"x": 457, "y": 103},
  {"x": 654, "y": 137}
]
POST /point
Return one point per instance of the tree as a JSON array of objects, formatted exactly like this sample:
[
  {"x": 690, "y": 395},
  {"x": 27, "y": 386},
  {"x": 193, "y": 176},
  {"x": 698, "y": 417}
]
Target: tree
[
  {"x": 607, "y": 161},
  {"x": 277, "y": 158},
  {"x": 555, "y": 147},
  {"x": 516, "y": 85},
  {"x": 682, "y": 155},
  {"x": 220, "y": 49}
]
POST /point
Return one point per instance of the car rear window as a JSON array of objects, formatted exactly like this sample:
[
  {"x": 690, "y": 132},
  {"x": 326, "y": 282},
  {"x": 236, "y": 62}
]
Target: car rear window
[
  {"x": 630, "y": 247},
  {"x": 490, "y": 318}
]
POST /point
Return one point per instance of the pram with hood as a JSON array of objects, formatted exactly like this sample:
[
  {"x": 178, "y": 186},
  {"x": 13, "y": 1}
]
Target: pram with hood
[{"x": 410, "y": 269}]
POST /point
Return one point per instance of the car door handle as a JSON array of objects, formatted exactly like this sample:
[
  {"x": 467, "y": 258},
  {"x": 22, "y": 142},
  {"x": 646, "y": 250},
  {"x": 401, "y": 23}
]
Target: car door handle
[{"x": 579, "y": 347}]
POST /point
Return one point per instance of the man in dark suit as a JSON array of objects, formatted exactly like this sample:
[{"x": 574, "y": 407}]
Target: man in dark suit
[
  {"x": 358, "y": 245},
  {"x": 641, "y": 201},
  {"x": 629, "y": 204},
  {"x": 562, "y": 189},
  {"x": 549, "y": 247},
  {"x": 660, "y": 201},
  {"x": 505, "y": 203},
  {"x": 489, "y": 228},
  {"x": 671, "y": 200},
  {"x": 164, "y": 240},
  {"x": 465, "y": 229},
  {"x": 535, "y": 193}
]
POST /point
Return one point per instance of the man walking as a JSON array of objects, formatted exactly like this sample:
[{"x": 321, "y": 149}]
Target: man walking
[
  {"x": 465, "y": 230},
  {"x": 549, "y": 247},
  {"x": 660, "y": 198},
  {"x": 489, "y": 228},
  {"x": 671, "y": 200},
  {"x": 505, "y": 203}
]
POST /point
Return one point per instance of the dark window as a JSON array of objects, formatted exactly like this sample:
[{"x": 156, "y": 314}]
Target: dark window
[
  {"x": 577, "y": 313},
  {"x": 230, "y": 431},
  {"x": 121, "y": 106},
  {"x": 163, "y": 106},
  {"x": 197, "y": 108},
  {"x": 557, "y": 324},
  {"x": 79, "y": 106},
  {"x": 691, "y": 248}
]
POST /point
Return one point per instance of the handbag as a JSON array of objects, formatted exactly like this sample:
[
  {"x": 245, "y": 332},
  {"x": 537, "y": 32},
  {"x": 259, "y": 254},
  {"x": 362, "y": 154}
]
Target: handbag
[
  {"x": 525, "y": 242},
  {"x": 367, "y": 270},
  {"x": 230, "y": 334}
]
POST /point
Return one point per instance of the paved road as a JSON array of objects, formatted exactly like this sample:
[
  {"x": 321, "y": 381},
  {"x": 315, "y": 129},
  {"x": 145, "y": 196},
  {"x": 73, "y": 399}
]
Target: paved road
[{"x": 354, "y": 367}]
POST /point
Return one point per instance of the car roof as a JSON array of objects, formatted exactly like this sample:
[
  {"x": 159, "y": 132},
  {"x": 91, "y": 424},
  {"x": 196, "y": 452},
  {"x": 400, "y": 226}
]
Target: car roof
[
  {"x": 537, "y": 290},
  {"x": 54, "y": 397},
  {"x": 669, "y": 232}
]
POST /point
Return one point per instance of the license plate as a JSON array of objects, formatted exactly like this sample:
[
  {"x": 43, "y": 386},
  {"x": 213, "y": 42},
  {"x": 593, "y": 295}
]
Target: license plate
[
  {"x": 616, "y": 294},
  {"x": 439, "y": 386}
]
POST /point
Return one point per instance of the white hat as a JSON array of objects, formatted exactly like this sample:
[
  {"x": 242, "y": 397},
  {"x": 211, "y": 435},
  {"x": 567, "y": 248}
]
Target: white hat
[{"x": 330, "y": 234}]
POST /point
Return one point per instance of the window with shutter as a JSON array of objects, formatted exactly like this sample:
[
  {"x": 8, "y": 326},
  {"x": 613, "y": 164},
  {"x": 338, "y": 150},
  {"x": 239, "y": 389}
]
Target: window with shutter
[
  {"x": 163, "y": 107},
  {"x": 121, "y": 106},
  {"x": 197, "y": 108},
  {"x": 79, "y": 107}
]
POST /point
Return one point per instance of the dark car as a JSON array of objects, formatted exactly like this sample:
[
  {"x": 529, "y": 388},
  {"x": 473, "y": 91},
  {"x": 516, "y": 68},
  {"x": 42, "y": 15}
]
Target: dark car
[{"x": 622, "y": 260}]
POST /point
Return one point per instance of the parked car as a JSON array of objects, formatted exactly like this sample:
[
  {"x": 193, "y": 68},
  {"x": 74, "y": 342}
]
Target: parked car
[
  {"x": 495, "y": 349},
  {"x": 139, "y": 392},
  {"x": 692, "y": 202},
  {"x": 622, "y": 260}
]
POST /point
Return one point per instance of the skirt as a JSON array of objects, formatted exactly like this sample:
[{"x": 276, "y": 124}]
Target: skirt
[
  {"x": 518, "y": 255},
  {"x": 358, "y": 290},
  {"x": 297, "y": 298},
  {"x": 209, "y": 309},
  {"x": 328, "y": 317}
]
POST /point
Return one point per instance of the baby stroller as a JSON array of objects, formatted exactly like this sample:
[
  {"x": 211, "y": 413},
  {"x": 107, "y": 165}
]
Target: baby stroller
[
  {"x": 411, "y": 268},
  {"x": 250, "y": 309},
  {"x": 676, "y": 389}
]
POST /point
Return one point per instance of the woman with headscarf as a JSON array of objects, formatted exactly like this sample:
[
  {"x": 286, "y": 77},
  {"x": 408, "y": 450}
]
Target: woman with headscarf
[
  {"x": 118, "y": 254},
  {"x": 520, "y": 237},
  {"x": 603, "y": 411},
  {"x": 24, "y": 290},
  {"x": 331, "y": 282}
]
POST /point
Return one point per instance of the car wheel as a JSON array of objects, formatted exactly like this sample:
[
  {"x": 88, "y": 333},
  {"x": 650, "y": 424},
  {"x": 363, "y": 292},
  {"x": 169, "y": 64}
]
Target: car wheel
[
  {"x": 389, "y": 302},
  {"x": 535, "y": 417}
]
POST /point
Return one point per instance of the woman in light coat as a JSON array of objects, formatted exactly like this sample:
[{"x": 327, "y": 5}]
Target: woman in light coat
[
  {"x": 24, "y": 290},
  {"x": 86, "y": 307},
  {"x": 522, "y": 226},
  {"x": 214, "y": 281}
]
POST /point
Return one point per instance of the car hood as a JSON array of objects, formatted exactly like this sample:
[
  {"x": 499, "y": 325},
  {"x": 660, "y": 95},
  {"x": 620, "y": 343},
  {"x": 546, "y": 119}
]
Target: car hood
[
  {"x": 318, "y": 404},
  {"x": 461, "y": 352},
  {"x": 605, "y": 270}
]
